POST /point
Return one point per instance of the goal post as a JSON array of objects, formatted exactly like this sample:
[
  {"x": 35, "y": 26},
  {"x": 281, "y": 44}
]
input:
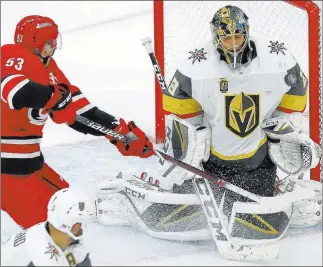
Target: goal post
[
  {"x": 180, "y": 24},
  {"x": 159, "y": 45}
]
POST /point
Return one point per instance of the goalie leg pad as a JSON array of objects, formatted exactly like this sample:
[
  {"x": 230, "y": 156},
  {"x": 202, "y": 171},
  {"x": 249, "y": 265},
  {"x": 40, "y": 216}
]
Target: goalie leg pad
[
  {"x": 255, "y": 231},
  {"x": 252, "y": 223},
  {"x": 160, "y": 214}
]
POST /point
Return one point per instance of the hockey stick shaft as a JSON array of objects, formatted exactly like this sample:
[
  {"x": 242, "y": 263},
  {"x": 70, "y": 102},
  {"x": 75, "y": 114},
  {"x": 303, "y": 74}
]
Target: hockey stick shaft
[{"x": 146, "y": 42}]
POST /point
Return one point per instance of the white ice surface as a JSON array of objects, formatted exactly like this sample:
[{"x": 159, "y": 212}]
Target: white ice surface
[{"x": 109, "y": 64}]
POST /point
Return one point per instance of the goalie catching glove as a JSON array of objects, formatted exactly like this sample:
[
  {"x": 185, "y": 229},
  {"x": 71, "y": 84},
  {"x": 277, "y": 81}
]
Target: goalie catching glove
[
  {"x": 289, "y": 148},
  {"x": 295, "y": 153},
  {"x": 139, "y": 144}
]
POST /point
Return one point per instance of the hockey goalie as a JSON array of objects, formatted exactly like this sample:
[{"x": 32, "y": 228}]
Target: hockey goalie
[{"x": 229, "y": 112}]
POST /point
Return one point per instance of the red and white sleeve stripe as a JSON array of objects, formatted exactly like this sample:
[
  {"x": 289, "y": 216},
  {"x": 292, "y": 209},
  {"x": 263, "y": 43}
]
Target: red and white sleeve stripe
[
  {"x": 10, "y": 85},
  {"x": 81, "y": 103}
]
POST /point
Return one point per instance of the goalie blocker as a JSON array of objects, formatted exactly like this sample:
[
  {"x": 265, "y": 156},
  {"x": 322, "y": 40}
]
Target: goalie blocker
[{"x": 173, "y": 210}]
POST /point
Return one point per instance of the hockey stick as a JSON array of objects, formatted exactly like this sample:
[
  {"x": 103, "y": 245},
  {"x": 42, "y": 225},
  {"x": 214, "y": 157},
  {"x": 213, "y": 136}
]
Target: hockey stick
[{"x": 212, "y": 211}]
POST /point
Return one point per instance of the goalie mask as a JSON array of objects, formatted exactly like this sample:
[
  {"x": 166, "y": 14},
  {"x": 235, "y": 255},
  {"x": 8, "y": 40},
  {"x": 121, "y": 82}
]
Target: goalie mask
[{"x": 230, "y": 31}]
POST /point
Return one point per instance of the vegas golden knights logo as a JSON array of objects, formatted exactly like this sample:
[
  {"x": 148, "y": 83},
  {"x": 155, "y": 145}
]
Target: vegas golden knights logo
[
  {"x": 242, "y": 113},
  {"x": 70, "y": 258},
  {"x": 224, "y": 85}
]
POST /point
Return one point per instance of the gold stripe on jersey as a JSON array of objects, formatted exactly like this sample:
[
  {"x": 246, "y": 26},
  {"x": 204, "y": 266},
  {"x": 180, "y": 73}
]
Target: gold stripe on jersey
[
  {"x": 294, "y": 102},
  {"x": 180, "y": 106},
  {"x": 241, "y": 156}
]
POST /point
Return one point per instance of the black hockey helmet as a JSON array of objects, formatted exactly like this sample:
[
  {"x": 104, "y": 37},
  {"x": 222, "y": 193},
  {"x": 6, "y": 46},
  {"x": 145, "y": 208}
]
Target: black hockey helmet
[{"x": 230, "y": 31}]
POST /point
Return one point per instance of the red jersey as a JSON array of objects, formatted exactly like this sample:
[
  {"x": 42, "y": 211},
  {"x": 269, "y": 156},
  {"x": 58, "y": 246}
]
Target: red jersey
[{"x": 21, "y": 130}]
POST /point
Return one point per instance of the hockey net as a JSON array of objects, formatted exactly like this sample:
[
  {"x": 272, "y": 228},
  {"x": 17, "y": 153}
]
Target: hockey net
[{"x": 178, "y": 25}]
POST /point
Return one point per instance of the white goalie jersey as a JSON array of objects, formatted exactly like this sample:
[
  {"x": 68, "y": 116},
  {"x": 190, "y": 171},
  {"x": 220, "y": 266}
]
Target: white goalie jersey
[{"x": 235, "y": 102}]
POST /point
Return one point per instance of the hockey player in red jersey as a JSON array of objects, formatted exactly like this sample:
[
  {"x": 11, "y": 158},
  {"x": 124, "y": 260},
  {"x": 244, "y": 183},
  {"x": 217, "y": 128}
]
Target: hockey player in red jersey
[{"x": 33, "y": 88}]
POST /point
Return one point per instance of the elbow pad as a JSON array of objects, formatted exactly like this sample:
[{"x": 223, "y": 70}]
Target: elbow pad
[{"x": 32, "y": 95}]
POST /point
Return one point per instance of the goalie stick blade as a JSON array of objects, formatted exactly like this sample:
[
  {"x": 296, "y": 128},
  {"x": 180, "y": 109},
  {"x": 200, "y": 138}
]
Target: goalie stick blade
[
  {"x": 252, "y": 253},
  {"x": 218, "y": 228},
  {"x": 213, "y": 215}
]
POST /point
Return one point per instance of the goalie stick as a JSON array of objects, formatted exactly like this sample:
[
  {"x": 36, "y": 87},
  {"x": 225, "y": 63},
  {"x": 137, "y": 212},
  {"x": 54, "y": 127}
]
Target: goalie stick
[{"x": 212, "y": 211}]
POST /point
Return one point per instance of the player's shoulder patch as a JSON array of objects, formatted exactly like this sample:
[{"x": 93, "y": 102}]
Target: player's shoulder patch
[
  {"x": 197, "y": 55},
  {"x": 278, "y": 51},
  {"x": 276, "y": 47},
  {"x": 199, "y": 61},
  {"x": 41, "y": 247},
  {"x": 52, "y": 251},
  {"x": 275, "y": 55}
]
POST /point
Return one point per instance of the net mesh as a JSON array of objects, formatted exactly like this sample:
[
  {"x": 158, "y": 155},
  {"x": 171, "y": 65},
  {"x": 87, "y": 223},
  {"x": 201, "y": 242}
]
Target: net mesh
[{"x": 186, "y": 23}]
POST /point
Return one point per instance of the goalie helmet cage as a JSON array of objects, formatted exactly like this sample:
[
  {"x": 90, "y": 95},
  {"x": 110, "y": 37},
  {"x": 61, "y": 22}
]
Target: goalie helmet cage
[{"x": 180, "y": 24}]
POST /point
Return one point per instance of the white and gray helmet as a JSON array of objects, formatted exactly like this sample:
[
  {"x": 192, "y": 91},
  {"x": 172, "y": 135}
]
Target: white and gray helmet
[{"x": 68, "y": 207}]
